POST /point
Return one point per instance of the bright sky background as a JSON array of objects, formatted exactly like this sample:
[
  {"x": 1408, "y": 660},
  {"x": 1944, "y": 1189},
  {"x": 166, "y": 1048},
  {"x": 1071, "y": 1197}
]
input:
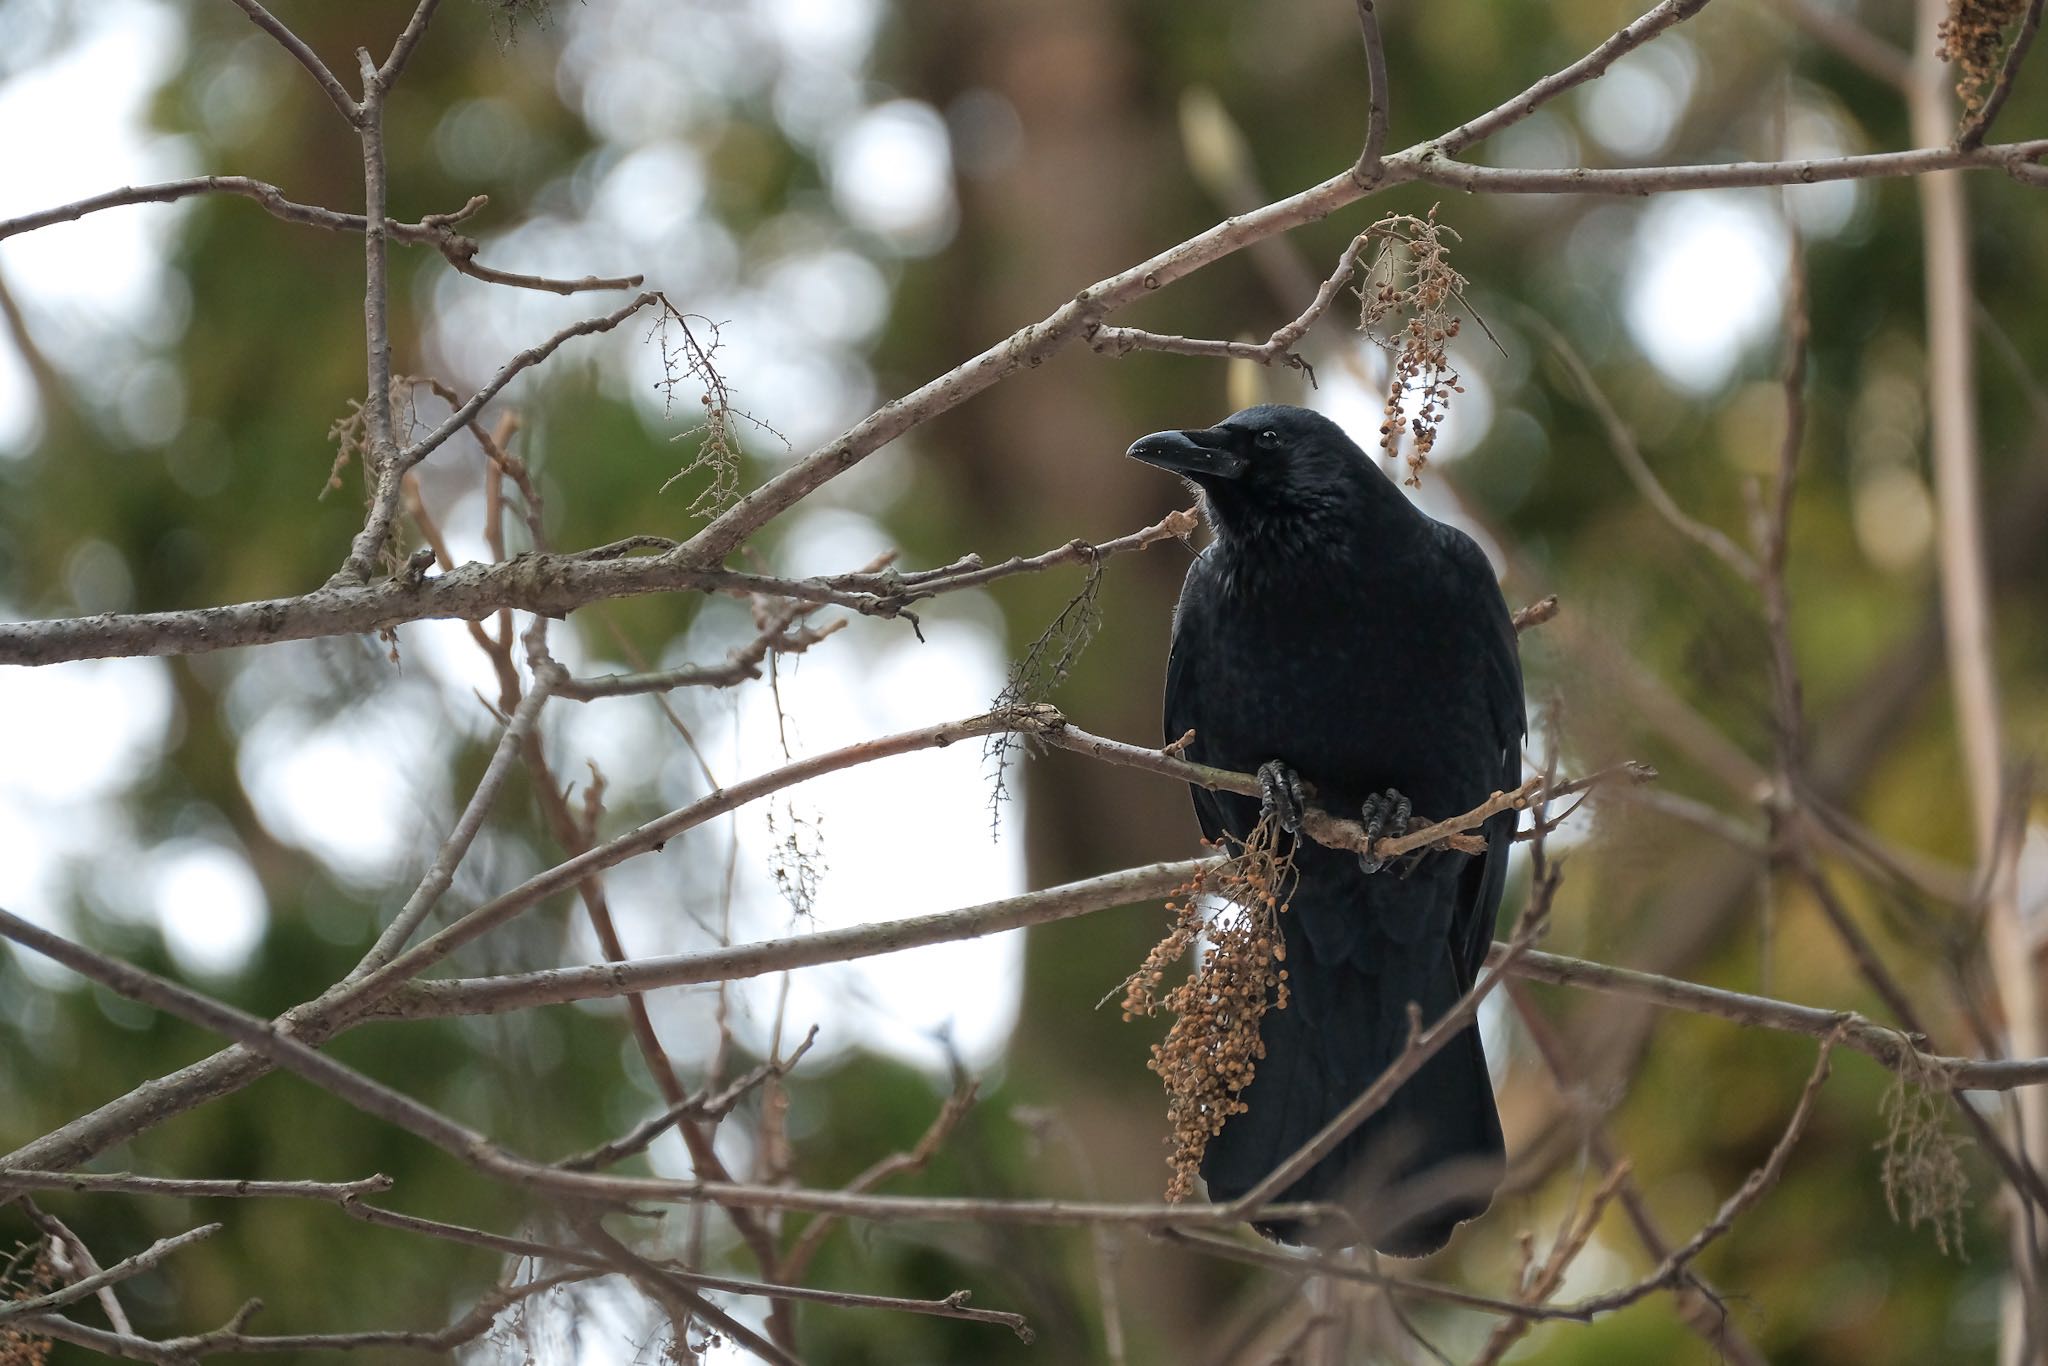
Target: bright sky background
[{"x": 1705, "y": 276}]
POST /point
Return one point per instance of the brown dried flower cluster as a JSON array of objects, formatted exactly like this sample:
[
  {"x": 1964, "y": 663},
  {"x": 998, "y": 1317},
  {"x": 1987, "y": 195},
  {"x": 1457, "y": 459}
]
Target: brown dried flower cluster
[
  {"x": 1973, "y": 37},
  {"x": 1209, "y": 1054},
  {"x": 1410, "y": 280},
  {"x": 25, "y": 1274}
]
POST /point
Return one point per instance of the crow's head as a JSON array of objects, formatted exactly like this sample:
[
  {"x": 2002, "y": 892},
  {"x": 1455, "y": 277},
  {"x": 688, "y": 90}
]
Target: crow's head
[{"x": 1272, "y": 465}]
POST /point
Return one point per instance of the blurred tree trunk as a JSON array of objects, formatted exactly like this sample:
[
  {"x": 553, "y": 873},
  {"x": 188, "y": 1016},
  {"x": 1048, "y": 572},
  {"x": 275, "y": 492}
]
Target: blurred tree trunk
[{"x": 1089, "y": 187}]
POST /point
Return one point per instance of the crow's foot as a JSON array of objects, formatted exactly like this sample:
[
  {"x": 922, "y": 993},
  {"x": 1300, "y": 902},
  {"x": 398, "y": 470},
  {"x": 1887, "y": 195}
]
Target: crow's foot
[
  {"x": 1384, "y": 816},
  {"x": 1281, "y": 795}
]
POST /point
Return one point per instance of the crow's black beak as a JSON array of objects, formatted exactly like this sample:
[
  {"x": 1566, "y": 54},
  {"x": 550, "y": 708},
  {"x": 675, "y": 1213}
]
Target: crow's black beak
[{"x": 1199, "y": 455}]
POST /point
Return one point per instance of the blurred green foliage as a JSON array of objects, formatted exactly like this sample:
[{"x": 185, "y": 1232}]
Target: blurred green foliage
[{"x": 222, "y": 507}]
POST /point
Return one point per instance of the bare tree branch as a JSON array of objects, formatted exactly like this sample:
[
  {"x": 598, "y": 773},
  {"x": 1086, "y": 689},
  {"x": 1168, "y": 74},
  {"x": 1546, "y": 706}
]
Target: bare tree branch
[
  {"x": 1669, "y": 1273},
  {"x": 409, "y": 39},
  {"x": 1715, "y": 541},
  {"x": 337, "y": 94},
  {"x": 1588, "y": 67},
  {"x": 545, "y": 584},
  {"x": 511, "y": 370},
  {"x": 81, "y": 1259},
  {"x": 553, "y": 986},
  {"x": 1545, "y": 1280},
  {"x": 381, "y": 450},
  {"x": 1119, "y": 341},
  {"x": 440, "y": 874},
  {"x": 2015, "y": 159},
  {"x": 1701, "y": 1308},
  {"x": 17, "y": 1178},
  {"x": 122, "y": 1270},
  {"x": 798, "y": 1259},
  {"x": 231, "y": 1339},
  {"x": 1368, "y": 167},
  {"x": 1894, "y": 1049},
  {"x": 1839, "y": 31},
  {"x": 473, "y": 1148},
  {"x": 954, "y": 1306},
  {"x": 386, "y": 985},
  {"x": 703, "y": 1105},
  {"x": 436, "y": 230},
  {"x": 780, "y": 636}
]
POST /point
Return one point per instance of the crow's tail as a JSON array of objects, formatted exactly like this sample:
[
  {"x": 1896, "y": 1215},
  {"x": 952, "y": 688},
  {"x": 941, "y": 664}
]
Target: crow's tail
[{"x": 1428, "y": 1160}]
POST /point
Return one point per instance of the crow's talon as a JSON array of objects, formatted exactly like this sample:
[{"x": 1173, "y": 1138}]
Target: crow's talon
[
  {"x": 1384, "y": 816},
  {"x": 1281, "y": 796}
]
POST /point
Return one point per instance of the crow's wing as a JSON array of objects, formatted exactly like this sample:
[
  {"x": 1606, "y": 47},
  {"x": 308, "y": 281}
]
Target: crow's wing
[
  {"x": 1497, "y": 657},
  {"x": 1185, "y": 684}
]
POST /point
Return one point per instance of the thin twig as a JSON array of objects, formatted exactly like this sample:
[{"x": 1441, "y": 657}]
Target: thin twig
[
  {"x": 120, "y": 1271},
  {"x": 1544, "y": 1283},
  {"x": 1895, "y": 1050},
  {"x": 798, "y": 1259},
  {"x": 81, "y": 1259},
  {"x": 681, "y": 1299},
  {"x": 1671, "y": 1272},
  {"x": 1586, "y": 68},
  {"x": 440, "y": 874},
  {"x": 1701, "y": 1308},
  {"x": 741, "y": 665},
  {"x": 543, "y": 584},
  {"x": 1453, "y": 832},
  {"x": 1774, "y": 529},
  {"x": 2015, "y": 159},
  {"x": 1638, "y": 469},
  {"x": 954, "y": 1306},
  {"x": 467, "y": 411},
  {"x": 436, "y": 230},
  {"x": 380, "y": 453},
  {"x": 1313, "y": 1264},
  {"x": 551, "y": 986},
  {"x": 409, "y": 39},
  {"x": 656, "y": 833},
  {"x": 372, "y": 1097},
  {"x": 702, "y": 1105},
  {"x": 557, "y": 985},
  {"x": 390, "y": 467},
  {"x": 1535, "y": 614},
  {"x": 337, "y": 94},
  {"x": 127, "y": 1183},
  {"x": 2017, "y": 1165},
  {"x": 1118, "y": 341},
  {"x": 1839, "y": 31},
  {"x": 891, "y": 587},
  {"x": 231, "y": 1338},
  {"x": 1369, "y": 161}
]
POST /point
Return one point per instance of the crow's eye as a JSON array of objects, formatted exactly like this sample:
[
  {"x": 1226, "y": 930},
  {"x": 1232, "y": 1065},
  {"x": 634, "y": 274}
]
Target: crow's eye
[{"x": 1269, "y": 440}]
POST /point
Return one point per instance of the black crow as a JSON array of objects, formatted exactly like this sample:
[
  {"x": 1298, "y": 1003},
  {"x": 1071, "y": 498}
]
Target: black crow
[{"x": 1334, "y": 634}]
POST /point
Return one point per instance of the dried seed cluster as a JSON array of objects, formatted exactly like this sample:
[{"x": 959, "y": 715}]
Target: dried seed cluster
[
  {"x": 25, "y": 1274},
  {"x": 1973, "y": 38},
  {"x": 1210, "y": 1052},
  {"x": 1410, "y": 281}
]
